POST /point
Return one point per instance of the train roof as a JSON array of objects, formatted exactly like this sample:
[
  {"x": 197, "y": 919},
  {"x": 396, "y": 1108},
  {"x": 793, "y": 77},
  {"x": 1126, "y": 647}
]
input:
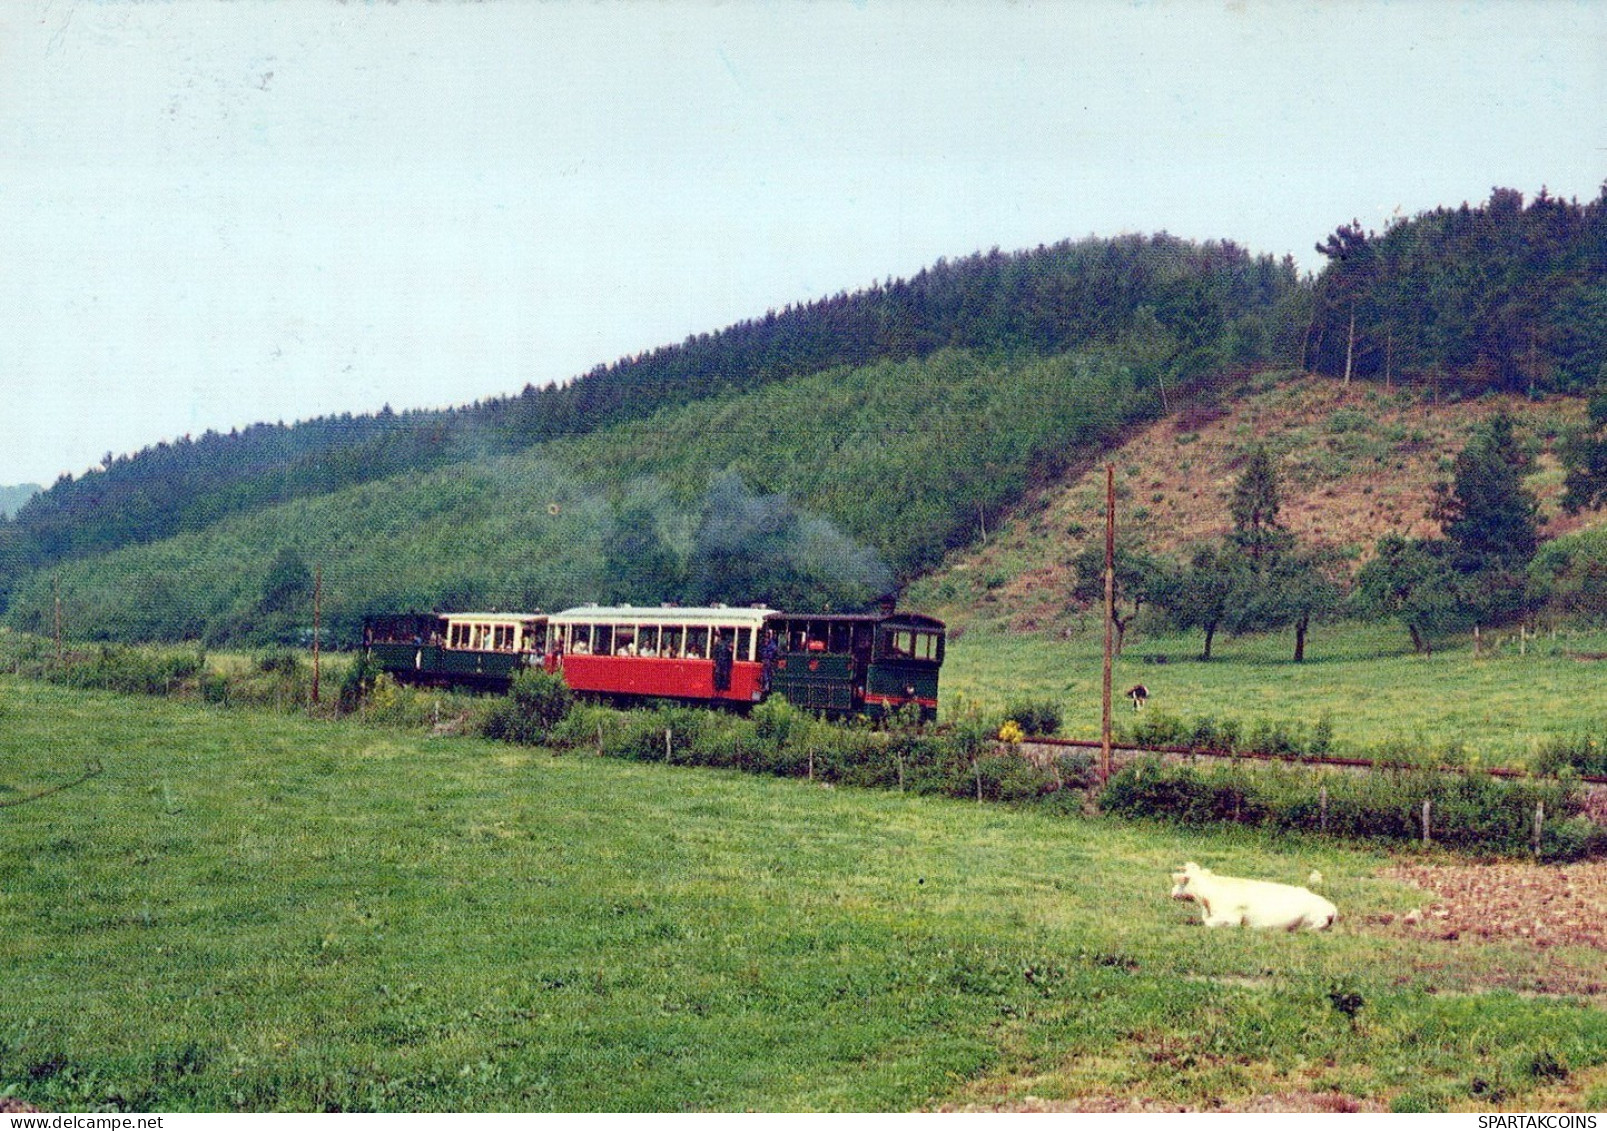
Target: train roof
[
  {"x": 914, "y": 620},
  {"x": 741, "y": 616},
  {"x": 495, "y": 618}
]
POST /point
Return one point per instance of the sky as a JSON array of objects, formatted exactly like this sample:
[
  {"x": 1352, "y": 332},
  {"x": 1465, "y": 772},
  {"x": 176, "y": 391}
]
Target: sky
[{"x": 218, "y": 213}]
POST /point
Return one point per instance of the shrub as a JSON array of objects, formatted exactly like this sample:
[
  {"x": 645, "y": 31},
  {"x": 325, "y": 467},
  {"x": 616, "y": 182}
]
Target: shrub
[
  {"x": 1006, "y": 777},
  {"x": 280, "y": 661},
  {"x": 1035, "y": 716},
  {"x": 133, "y": 670},
  {"x": 358, "y": 682},
  {"x": 1582, "y": 754},
  {"x": 536, "y": 702}
]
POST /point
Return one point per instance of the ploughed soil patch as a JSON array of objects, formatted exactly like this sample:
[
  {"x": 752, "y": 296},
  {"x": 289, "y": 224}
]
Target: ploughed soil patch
[
  {"x": 1542, "y": 905},
  {"x": 1295, "y": 1100}
]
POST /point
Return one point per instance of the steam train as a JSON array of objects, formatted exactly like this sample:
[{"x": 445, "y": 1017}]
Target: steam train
[{"x": 837, "y": 664}]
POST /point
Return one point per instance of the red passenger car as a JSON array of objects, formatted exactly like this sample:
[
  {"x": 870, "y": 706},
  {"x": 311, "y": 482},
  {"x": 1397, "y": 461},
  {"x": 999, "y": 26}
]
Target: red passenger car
[{"x": 704, "y": 654}]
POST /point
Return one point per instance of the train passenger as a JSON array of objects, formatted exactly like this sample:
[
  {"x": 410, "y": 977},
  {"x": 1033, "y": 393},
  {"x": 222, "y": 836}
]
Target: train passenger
[
  {"x": 722, "y": 663},
  {"x": 768, "y": 650}
]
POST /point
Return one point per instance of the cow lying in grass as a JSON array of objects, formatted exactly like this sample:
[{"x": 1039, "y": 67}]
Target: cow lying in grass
[{"x": 1229, "y": 902}]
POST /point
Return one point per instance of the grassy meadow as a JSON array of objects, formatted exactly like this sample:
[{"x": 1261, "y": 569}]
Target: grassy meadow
[
  {"x": 253, "y": 910},
  {"x": 1363, "y": 677}
]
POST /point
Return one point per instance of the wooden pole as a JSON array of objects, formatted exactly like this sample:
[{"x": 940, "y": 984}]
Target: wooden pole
[
  {"x": 1110, "y": 618},
  {"x": 317, "y": 610}
]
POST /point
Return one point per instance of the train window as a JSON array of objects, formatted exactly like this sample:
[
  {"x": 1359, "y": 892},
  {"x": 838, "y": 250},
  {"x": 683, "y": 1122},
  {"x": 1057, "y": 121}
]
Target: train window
[
  {"x": 744, "y": 648},
  {"x": 913, "y": 645},
  {"x": 624, "y": 640},
  {"x": 647, "y": 640},
  {"x": 580, "y": 638},
  {"x": 670, "y": 643},
  {"x": 697, "y": 643}
]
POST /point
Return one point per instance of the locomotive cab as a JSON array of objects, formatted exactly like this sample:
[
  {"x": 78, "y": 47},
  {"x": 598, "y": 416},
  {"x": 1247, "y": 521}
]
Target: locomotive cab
[{"x": 845, "y": 664}]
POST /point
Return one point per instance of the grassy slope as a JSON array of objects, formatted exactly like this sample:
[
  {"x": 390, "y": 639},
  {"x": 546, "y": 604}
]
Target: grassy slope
[
  {"x": 259, "y": 912},
  {"x": 1354, "y": 464}
]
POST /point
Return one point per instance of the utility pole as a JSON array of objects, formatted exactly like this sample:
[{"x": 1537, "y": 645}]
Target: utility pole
[
  {"x": 1110, "y": 616},
  {"x": 317, "y": 603}
]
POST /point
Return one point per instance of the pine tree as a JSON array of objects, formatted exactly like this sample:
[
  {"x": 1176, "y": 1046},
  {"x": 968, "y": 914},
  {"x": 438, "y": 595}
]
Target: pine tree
[{"x": 1256, "y": 502}]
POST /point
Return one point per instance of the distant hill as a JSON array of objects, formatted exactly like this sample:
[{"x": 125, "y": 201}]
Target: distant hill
[{"x": 12, "y": 498}]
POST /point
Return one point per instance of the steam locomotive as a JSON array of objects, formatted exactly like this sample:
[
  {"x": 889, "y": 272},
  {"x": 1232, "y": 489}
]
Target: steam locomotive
[{"x": 837, "y": 664}]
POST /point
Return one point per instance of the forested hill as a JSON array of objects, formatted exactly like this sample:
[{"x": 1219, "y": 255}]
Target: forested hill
[
  {"x": 1504, "y": 296},
  {"x": 1181, "y": 309}
]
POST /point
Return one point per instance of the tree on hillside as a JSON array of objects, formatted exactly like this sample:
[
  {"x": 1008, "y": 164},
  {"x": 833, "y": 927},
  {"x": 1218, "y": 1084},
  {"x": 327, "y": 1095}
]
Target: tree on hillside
[
  {"x": 1505, "y": 294},
  {"x": 1584, "y": 456},
  {"x": 639, "y": 565},
  {"x": 1285, "y": 585},
  {"x": 1490, "y": 520},
  {"x": 1254, "y": 509},
  {"x": 1302, "y": 586}
]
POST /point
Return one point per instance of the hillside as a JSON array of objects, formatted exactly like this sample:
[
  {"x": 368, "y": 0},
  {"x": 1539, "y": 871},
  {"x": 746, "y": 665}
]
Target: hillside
[
  {"x": 824, "y": 491},
  {"x": 1355, "y": 463},
  {"x": 1178, "y": 311}
]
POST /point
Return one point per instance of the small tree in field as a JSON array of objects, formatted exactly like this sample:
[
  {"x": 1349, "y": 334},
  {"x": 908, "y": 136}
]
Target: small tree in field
[
  {"x": 1212, "y": 592},
  {"x": 1137, "y": 576},
  {"x": 1412, "y": 580}
]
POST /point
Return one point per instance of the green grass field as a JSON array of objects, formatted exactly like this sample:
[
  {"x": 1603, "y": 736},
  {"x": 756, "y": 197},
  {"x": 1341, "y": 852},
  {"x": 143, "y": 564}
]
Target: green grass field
[
  {"x": 1363, "y": 677},
  {"x": 249, "y": 910}
]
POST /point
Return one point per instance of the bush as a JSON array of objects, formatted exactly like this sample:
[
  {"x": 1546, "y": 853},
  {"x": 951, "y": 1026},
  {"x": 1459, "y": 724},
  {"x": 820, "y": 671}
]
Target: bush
[
  {"x": 1582, "y": 754},
  {"x": 133, "y": 671},
  {"x": 536, "y": 702},
  {"x": 1034, "y": 717},
  {"x": 358, "y": 682}
]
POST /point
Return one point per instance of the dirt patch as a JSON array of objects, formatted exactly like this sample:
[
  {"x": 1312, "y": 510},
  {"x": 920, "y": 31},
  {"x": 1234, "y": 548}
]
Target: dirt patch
[
  {"x": 1544, "y": 906},
  {"x": 1289, "y": 1101}
]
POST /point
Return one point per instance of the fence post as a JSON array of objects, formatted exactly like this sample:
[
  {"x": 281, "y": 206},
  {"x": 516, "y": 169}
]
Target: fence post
[
  {"x": 666, "y": 744},
  {"x": 1539, "y": 824},
  {"x": 1427, "y": 839},
  {"x": 1322, "y": 820},
  {"x": 599, "y": 738},
  {"x": 976, "y": 764},
  {"x": 811, "y": 763},
  {"x": 901, "y": 773}
]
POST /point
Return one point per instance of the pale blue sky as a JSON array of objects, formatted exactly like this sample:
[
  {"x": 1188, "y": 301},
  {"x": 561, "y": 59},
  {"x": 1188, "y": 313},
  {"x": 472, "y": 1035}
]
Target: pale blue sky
[{"x": 216, "y": 213}]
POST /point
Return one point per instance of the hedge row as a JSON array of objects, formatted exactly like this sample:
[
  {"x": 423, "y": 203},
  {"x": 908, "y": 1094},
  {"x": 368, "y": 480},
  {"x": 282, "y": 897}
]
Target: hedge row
[
  {"x": 1469, "y": 812},
  {"x": 776, "y": 738}
]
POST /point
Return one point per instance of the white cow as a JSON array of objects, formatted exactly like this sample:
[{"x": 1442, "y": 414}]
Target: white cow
[{"x": 1229, "y": 902}]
